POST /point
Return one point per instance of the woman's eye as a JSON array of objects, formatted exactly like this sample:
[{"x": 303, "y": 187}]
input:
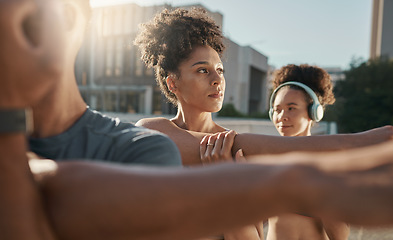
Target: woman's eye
[
  {"x": 220, "y": 71},
  {"x": 203, "y": 70}
]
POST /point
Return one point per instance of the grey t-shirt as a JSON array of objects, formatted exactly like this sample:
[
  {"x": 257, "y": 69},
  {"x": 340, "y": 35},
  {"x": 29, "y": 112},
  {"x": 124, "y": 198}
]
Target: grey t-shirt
[{"x": 101, "y": 138}]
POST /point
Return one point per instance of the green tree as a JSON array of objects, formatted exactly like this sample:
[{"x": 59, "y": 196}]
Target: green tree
[{"x": 365, "y": 97}]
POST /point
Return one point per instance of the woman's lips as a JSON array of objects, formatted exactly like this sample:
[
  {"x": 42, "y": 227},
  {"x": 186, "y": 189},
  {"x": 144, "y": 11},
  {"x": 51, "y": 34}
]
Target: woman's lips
[
  {"x": 215, "y": 95},
  {"x": 284, "y": 127}
]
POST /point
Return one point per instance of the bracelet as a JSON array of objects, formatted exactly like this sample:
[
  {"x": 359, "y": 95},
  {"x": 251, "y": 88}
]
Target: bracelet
[{"x": 16, "y": 120}]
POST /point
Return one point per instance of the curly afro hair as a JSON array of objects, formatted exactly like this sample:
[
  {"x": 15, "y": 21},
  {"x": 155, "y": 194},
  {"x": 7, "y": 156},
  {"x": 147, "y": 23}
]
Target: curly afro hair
[
  {"x": 314, "y": 77},
  {"x": 171, "y": 36}
]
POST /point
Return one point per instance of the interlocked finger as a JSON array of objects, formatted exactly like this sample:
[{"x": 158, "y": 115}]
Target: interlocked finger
[{"x": 216, "y": 152}]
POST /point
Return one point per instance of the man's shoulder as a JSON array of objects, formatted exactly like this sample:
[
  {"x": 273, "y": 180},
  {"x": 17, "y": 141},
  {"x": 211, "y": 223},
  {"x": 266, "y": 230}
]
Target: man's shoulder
[{"x": 113, "y": 127}]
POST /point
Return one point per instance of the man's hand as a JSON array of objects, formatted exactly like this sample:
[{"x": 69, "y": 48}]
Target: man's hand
[{"x": 31, "y": 48}]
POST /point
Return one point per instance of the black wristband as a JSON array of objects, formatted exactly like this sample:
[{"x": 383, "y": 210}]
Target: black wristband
[{"x": 16, "y": 120}]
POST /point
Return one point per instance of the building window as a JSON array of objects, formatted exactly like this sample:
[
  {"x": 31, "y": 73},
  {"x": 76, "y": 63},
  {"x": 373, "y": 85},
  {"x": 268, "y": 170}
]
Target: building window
[
  {"x": 109, "y": 57},
  {"x": 110, "y": 101},
  {"x": 139, "y": 65},
  {"x": 117, "y": 21},
  {"x": 128, "y": 20},
  {"x": 157, "y": 101},
  {"x": 107, "y": 22},
  {"x": 131, "y": 101},
  {"x": 128, "y": 60},
  {"x": 119, "y": 57}
]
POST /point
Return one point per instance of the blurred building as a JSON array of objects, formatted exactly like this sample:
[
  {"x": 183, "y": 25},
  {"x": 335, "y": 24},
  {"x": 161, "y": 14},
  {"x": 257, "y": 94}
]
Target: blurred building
[
  {"x": 336, "y": 73},
  {"x": 382, "y": 29},
  {"x": 112, "y": 78}
]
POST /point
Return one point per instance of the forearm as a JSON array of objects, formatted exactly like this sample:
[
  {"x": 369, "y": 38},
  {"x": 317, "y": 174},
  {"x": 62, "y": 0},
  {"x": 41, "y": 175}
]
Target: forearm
[
  {"x": 22, "y": 215},
  {"x": 173, "y": 203},
  {"x": 355, "y": 185},
  {"x": 188, "y": 145},
  {"x": 254, "y": 144},
  {"x": 140, "y": 203}
]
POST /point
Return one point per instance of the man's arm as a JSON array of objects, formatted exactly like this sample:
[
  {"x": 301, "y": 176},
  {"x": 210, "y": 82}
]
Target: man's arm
[
  {"x": 30, "y": 60},
  {"x": 101, "y": 201},
  {"x": 87, "y": 200},
  {"x": 22, "y": 214}
]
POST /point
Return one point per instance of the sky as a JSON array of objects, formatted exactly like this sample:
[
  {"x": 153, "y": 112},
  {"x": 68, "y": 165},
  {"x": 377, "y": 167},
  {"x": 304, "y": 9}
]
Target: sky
[{"x": 328, "y": 33}]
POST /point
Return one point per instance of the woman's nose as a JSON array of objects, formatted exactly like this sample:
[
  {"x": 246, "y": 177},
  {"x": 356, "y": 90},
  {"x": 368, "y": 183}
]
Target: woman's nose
[
  {"x": 282, "y": 115},
  {"x": 217, "y": 79}
]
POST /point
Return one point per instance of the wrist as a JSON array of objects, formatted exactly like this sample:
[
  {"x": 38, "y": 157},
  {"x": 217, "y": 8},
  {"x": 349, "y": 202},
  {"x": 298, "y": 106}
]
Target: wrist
[{"x": 17, "y": 120}]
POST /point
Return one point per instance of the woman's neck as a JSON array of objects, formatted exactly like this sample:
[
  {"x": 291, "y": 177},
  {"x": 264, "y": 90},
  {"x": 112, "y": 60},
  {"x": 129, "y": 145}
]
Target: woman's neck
[
  {"x": 305, "y": 133},
  {"x": 196, "y": 121}
]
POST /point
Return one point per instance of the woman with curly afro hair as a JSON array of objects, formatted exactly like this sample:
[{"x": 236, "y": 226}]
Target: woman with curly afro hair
[
  {"x": 293, "y": 110},
  {"x": 184, "y": 47},
  {"x": 288, "y": 83}
]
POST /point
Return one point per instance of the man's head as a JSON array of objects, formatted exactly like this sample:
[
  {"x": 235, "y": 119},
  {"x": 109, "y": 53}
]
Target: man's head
[{"x": 32, "y": 48}]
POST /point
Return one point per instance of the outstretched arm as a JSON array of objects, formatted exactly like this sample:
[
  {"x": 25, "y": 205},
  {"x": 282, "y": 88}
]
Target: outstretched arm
[
  {"x": 90, "y": 200},
  {"x": 188, "y": 142},
  {"x": 253, "y": 144},
  {"x": 101, "y": 201}
]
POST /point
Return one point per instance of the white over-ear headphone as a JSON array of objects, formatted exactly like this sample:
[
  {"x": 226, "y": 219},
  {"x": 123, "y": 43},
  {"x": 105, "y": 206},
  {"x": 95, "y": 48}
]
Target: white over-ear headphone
[{"x": 315, "y": 110}]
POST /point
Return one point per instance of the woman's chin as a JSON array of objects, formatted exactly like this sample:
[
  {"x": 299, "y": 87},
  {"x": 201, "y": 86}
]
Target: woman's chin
[{"x": 216, "y": 109}]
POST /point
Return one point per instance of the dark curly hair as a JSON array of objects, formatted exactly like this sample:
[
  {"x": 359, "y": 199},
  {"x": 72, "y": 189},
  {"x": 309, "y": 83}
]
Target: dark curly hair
[
  {"x": 314, "y": 77},
  {"x": 171, "y": 36}
]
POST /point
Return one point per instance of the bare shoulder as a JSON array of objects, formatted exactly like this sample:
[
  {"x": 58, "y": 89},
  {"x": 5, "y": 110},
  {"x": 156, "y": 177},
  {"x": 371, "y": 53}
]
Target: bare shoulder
[{"x": 158, "y": 123}]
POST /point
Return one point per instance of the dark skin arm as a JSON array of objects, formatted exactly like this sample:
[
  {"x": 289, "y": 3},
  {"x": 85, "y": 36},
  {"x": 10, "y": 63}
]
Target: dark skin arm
[
  {"x": 278, "y": 144},
  {"x": 30, "y": 59},
  {"x": 21, "y": 207},
  {"x": 188, "y": 142},
  {"x": 150, "y": 203}
]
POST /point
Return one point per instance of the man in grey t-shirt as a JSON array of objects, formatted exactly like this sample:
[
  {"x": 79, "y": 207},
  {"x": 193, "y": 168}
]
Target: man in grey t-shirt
[
  {"x": 98, "y": 137},
  {"x": 65, "y": 128}
]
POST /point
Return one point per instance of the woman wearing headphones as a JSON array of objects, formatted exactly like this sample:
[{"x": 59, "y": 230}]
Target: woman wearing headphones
[{"x": 298, "y": 101}]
